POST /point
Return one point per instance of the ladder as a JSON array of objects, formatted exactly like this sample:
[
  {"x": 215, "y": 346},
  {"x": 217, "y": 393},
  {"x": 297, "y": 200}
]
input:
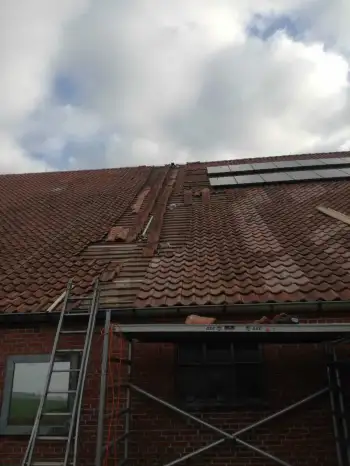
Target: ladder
[
  {"x": 68, "y": 441},
  {"x": 339, "y": 412}
]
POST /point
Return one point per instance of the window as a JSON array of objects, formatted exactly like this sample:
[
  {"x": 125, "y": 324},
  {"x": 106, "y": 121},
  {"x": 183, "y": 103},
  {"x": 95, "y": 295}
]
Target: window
[
  {"x": 24, "y": 384},
  {"x": 213, "y": 375}
]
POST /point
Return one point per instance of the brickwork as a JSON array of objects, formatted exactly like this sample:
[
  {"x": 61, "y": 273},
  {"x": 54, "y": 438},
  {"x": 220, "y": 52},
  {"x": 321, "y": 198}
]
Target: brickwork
[{"x": 302, "y": 437}]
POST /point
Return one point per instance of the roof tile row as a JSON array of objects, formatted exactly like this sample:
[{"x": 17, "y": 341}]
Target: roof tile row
[{"x": 239, "y": 245}]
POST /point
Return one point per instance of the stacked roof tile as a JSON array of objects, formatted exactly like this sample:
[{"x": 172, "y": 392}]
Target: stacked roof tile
[
  {"x": 238, "y": 245},
  {"x": 47, "y": 220}
]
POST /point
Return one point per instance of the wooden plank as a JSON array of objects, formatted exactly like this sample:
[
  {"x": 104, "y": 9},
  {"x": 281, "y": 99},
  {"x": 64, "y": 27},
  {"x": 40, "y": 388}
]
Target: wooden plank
[
  {"x": 334, "y": 214},
  {"x": 56, "y": 302}
]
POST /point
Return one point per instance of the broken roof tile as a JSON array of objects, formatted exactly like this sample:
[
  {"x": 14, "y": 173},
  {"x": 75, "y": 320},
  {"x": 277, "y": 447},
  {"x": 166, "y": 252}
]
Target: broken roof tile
[{"x": 117, "y": 233}]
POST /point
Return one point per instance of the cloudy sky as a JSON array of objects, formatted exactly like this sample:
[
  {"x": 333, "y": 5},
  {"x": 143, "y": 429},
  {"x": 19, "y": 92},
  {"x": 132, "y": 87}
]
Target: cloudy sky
[{"x": 105, "y": 83}]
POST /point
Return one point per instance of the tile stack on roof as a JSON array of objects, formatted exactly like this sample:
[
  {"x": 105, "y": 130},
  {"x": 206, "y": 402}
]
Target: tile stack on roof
[
  {"x": 253, "y": 244},
  {"x": 238, "y": 245},
  {"x": 46, "y": 221}
]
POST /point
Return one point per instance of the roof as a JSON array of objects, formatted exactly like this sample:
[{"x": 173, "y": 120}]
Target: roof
[{"x": 238, "y": 245}]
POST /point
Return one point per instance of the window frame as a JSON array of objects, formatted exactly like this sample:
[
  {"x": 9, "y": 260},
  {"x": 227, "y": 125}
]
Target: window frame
[
  {"x": 233, "y": 363},
  {"x": 12, "y": 360}
]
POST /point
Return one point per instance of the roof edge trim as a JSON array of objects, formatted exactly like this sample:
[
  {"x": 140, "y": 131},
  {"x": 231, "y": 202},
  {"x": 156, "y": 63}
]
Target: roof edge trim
[{"x": 317, "y": 308}]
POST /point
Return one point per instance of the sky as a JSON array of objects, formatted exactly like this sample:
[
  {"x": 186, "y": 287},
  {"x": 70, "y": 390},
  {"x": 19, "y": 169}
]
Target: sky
[{"x": 110, "y": 83}]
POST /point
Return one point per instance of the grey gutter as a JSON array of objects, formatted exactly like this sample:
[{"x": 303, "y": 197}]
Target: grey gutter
[{"x": 316, "y": 308}]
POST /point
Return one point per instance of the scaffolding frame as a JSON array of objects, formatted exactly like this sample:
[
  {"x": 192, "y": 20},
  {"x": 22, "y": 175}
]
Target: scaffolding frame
[{"x": 333, "y": 334}]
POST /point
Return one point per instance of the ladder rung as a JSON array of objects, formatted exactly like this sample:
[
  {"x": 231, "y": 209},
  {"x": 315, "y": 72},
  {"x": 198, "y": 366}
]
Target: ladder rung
[
  {"x": 80, "y": 298},
  {"x": 49, "y": 463},
  {"x": 65, "y": 370},
  {"x": 63, "y": 392},
  {"x": 72, "y": 331},
  {"x": 53, "y": 438},
  {"x": 72, "y": 350},
  {"x": 85, "y": 307}
]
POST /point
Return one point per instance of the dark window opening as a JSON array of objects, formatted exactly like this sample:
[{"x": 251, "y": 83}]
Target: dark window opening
[{"x": 219, "y": 375}]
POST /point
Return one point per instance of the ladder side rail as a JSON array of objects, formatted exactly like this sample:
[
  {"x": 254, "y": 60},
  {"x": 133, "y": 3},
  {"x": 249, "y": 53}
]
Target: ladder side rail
[
  {"x": 80, "y": 382},
  {"x": 31, "y": 444},
  {"x": 95, "y": 306}
]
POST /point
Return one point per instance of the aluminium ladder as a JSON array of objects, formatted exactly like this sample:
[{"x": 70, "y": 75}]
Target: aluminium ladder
[
  {"x": 69, "y": 440},
  {"x": 339, "y": 410}
]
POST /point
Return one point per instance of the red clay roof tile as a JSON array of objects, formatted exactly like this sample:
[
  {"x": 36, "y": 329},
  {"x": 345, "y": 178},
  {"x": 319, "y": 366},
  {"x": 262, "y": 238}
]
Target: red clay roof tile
[
  {"x": 254, "y": 244},
  {"x": 48, "y": 218},
  {"x": 244, "y": 245}
]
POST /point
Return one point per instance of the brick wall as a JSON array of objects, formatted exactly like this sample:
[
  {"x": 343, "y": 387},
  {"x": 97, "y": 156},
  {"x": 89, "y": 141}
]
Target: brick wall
[{"x": 302, "y": 437}]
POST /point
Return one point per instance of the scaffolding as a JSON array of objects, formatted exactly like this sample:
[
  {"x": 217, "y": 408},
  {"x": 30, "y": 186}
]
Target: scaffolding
[{"x": 329, "y": 335}]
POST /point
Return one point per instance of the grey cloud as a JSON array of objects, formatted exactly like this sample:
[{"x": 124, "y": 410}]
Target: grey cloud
[
  {"x": 181, "y": 80},
  {"x": 250, "y": 93}
]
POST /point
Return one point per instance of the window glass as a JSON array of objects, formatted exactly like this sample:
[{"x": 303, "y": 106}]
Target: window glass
[
  {"x": 215, "y": 374},
  {"x": 247, "y": 353},
  {"x": 251, "y": 389},
  {"x": 218, "y": 353},
  {"x": 28, "y": 386},
  {"x": 24, "y": 385}
]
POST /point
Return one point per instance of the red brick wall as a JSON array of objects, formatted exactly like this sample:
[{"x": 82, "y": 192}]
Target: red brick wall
[{"x": 302, "y": 437}]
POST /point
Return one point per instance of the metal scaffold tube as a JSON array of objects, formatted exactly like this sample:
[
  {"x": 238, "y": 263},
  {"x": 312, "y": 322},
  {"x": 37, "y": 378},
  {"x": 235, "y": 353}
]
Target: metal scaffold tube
[
  {"x": 103, "y": 446},
  {"x": 103, "y": 390},
  {"x": 224, "y": 436},
  {"x": 128, "y": 405}
]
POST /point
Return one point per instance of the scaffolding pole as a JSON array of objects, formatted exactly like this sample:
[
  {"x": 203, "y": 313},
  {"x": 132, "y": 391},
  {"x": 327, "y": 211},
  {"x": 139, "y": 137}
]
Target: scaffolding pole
[
  {"x": 306, "y": 333},
  {"x": 226, "y": 435},
  {"x": 128, "y": 405},
  {"x": 101, "y": 447},
  {"x": 103, "y": 389}
]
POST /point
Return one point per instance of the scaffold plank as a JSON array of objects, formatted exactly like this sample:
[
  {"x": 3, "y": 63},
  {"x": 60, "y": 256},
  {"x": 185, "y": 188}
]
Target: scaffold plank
[{"x": 278, "y": 333}]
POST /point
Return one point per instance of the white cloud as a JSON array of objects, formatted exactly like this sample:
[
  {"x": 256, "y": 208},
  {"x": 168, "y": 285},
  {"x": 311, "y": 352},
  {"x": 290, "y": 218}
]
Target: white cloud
[
  {"x": 269, "y": 97},
  {"x": 161, "y": 81},
  {"x": 30, "y": 37},
  {"x": 13, "y": 159},
  {"x": 329, "y": 22}
]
